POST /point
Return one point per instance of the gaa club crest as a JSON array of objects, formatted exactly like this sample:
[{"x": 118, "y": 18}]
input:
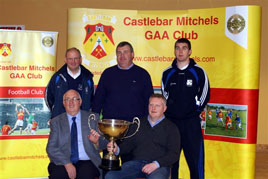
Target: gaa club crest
[
  {"x": 99, "y": 40},
  {"x": 5, "y": 49}
]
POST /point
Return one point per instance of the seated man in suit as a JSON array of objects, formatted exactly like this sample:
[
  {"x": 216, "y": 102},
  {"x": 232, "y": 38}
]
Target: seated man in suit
[
  {"x": 152, "y": 149},
  {"x": 73, "y": 148}
]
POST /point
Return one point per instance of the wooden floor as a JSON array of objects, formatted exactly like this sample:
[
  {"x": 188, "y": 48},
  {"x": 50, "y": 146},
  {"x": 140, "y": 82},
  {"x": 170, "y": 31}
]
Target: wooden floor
[{"x": 261, "y": 171}]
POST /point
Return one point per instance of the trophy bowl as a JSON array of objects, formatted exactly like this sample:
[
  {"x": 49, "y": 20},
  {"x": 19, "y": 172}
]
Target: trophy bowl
[{"x": 113, "y": 129}]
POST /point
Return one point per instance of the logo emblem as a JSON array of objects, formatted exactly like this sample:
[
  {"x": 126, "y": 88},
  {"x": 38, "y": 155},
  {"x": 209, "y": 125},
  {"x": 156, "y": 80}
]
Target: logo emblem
[
  {"x": 5, "y": 49},
  {"x": 236, "y": 24},
  {"x": 80, "y": 87},
  {"x": 99, "y": 40},
  {"x": 189, "y": 83},
  {"x": 47, "y": 41}
]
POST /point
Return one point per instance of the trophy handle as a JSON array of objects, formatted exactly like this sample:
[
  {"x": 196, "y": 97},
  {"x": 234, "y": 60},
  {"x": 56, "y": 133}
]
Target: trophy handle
[
  {"x": 137, "y": 121},
  {"x": 90, "y": 118}
]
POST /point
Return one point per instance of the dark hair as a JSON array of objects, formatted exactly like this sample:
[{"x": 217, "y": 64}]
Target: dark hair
[
  {"x": 157, "y": 95},
  {"x": 73, "y": 48},
  {"x": 183, "y": 40},
  {"x": 124, "y": 43},
  {"x": 6, "y": 123}
]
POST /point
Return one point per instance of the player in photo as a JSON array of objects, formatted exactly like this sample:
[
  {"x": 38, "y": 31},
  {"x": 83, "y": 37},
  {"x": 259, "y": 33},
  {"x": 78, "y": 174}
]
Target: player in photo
[
  {"x": 230, "y": 113},
  {"x": 220, "y": 118},
  {"x": 29, "y": 120},
  {"x": 5, "y": 128},
  {"x": 238, "y": 123},
  {"x": 34, "y": 127},
  {"x": 228, "y": 122},
  {"x": 203, "y": 119},
  {"x": 20, "y": 117},
  {"x": 209, "y": 114}
]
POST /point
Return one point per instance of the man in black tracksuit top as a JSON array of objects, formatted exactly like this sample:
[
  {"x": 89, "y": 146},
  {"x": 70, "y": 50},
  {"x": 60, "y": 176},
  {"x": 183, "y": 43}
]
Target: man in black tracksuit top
[
  {"x": 72, "y": 75},
  {"x": 186, "y": 87}
]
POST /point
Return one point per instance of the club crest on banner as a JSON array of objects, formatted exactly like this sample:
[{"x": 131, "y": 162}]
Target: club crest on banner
[
  {"x": 99, "y": 40},
  {"x": 5, "y": 49},
  {"x": 236, "y": 24},
  {"x": 47, "y": 41}
]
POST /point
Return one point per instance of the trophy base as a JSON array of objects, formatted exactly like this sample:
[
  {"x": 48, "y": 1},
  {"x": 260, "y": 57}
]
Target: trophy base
[{"x": 110, "y": 164}]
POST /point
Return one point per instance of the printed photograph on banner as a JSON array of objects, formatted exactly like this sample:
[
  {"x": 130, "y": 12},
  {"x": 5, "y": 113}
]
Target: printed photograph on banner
[
  {"x": 225, "y": 120},
  {"x": 24, "y": 116}
]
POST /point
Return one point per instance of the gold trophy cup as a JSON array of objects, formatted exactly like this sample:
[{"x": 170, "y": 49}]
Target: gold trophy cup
[{"x": 113, "y": 129}]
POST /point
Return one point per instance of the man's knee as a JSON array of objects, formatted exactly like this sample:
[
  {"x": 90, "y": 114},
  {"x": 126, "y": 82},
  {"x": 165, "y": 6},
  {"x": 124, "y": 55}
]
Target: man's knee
[
  {"x": 162, "y": 172},
  {"x": 111, "y": 175}
]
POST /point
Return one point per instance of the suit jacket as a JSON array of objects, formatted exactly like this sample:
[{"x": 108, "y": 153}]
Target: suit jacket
[{"x": 59, "y": 141}]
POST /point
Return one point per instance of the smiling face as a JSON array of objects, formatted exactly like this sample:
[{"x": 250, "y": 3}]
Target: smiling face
[
  {"x": 156, "y": 108},
  {"x": 124, "y": 56},
  {"x": 72, "y": 102},
  {"x": 73, "y": 60}
]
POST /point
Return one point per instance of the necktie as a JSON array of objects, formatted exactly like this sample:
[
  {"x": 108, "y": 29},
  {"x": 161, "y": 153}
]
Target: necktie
[{"x": 74, "y": 142}]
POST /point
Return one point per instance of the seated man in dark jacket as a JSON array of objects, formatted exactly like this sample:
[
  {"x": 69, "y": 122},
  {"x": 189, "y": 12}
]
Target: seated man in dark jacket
[{"x": 153, "y": 149}]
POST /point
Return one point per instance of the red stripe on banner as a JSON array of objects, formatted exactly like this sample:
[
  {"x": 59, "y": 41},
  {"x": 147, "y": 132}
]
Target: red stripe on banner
[
  {"x": 7, "y": 137},
  {"x": 247, "y": 97},
  {"x": 22, "y": 92}
]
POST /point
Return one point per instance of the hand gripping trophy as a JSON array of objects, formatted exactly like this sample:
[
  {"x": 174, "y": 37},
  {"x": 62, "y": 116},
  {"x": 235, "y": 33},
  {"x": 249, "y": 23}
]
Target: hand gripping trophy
[{"x": 113, "y": 129}]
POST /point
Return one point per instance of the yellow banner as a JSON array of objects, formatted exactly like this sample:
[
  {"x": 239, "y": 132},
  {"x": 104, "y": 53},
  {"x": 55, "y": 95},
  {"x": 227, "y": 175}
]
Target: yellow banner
[
  {"x": 218, "y": 36},
  {"x": 27, "y": 62},
  {"x": 23, "y": 158},
  {"x": 27, "y": 57},
  {"x": 225, "y": 160},
  {"x": 225, "y": 42}
]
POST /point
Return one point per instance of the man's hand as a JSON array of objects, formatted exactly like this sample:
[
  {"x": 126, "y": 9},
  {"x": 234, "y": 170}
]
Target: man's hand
[
  {"x": 149, "y": 168},
  {"x": 112, "y": 146},
  {"x": 94, "y": 137},
  {"x": 70, "y": 170}
]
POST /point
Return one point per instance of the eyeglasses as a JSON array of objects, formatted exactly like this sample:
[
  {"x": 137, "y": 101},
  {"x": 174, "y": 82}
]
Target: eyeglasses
[
  {"x": 74, "y": 99},
  {"x": 75, "y": 58}
]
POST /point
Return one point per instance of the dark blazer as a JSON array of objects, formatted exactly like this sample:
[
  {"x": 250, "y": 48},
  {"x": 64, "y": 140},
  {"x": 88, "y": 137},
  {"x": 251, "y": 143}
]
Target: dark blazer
[{"x": 59, "y": 141}]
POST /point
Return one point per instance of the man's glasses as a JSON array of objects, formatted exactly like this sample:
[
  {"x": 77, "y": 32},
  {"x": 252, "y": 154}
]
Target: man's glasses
[{"x": 74, "y": 99}]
